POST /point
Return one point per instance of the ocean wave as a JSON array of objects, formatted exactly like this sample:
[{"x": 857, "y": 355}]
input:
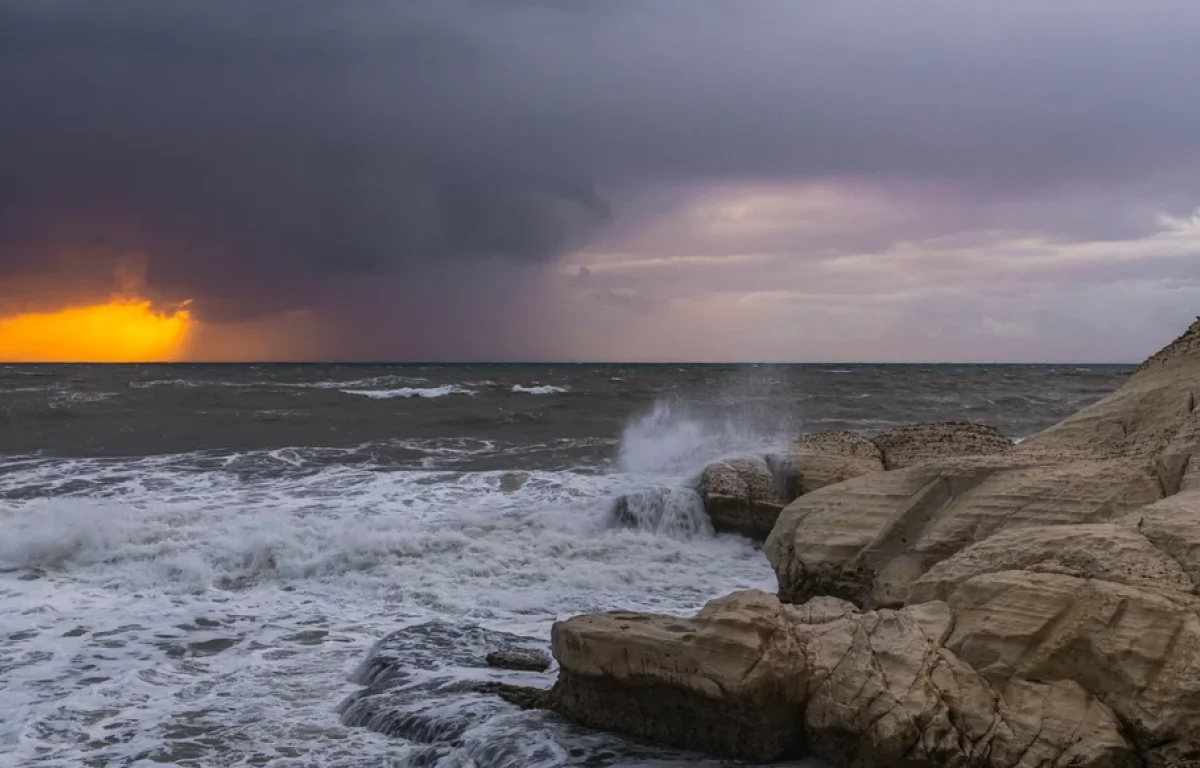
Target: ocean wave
[
  {"x": 543, "y": 389},
  {"x": 389, "y": 381},
  {"x": 407, "y": 392},
  {"x": 375, "y": 382},
  {"x": 69, "y": 397}
]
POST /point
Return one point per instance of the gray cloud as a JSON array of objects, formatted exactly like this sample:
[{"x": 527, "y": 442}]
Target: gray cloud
[{"x": 253, "y": 155}]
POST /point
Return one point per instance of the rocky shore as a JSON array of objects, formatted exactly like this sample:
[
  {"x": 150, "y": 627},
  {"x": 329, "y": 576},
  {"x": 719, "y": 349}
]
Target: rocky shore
[{"x": 946, "y": 597}]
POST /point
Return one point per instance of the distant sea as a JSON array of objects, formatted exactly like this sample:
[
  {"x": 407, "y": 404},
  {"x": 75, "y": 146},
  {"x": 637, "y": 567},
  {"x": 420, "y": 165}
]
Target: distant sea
[{"x": 193, "y": 558}]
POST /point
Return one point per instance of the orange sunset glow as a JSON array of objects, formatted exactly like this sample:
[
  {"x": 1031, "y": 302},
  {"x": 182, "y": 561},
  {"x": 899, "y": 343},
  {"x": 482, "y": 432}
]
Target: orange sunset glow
[{"x": 121, "y": 331}]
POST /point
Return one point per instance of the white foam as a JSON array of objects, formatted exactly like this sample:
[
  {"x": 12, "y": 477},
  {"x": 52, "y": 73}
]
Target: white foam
[
  {"x": 544, "y": 389},
  {"x": 405, "y": 392},
  {"x": 162, "y": 565},
  {"x": 69, "y": 397},
  {"x": 374, "y": 381}
]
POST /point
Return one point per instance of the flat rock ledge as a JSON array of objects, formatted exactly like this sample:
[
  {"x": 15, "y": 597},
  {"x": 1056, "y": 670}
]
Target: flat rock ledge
[{"x": 755, "y": 679}]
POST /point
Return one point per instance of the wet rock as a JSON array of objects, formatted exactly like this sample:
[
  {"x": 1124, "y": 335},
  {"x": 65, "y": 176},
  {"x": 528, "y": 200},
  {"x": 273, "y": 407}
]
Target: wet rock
[
  {"x": 423, "y": 683},
  {"x": 522, "y": 696},
  {"x": 741, "y": 496},
  {"x": 511, "y": 482},
  {"x": 529, "y": 661},
  {"x": 675, "y": 512}
]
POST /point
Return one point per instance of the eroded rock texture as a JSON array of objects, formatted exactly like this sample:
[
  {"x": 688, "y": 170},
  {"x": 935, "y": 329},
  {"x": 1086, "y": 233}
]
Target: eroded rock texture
[
  {"x": 741, "y": 496},
  {"x": 905, "y": 446},
  {"x": 754, "y": 678},
  {"x": 980, "y": 604},
  {"x": 825, "y": 458}
]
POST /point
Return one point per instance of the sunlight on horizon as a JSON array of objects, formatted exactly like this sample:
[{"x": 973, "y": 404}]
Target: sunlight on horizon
[{"x": 121, "y": 331}]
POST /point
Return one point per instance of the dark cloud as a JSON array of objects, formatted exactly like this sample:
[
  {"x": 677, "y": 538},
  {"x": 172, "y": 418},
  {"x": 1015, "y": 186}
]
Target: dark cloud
[{"x": 249, "y": 154}]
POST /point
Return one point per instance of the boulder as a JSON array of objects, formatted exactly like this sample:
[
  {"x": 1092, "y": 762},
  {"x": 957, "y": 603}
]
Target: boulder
[
  {"x": 741, "y": 496},
  {"x": 906, "y": 446},
  {"x": 752, "y": 678},
  {"x": 821, "y": 459},
  {"x": 869, "y": 539}
]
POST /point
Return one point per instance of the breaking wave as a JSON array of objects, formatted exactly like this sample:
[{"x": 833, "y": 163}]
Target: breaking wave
[
  {"x": 406, "y": 392},
  {"x": 544, "y": 389}
]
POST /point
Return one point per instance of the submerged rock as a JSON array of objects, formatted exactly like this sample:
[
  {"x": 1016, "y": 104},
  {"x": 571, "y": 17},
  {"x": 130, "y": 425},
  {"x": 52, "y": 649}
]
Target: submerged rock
[
  {"x": 676, "y": 512},
  {"x": 529, "y": 661},
  {"x": 522, "y": 696},
  {"x": 423, "y": 683}
]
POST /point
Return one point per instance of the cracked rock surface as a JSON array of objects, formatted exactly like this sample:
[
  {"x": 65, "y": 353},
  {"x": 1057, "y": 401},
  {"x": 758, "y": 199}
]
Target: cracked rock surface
[{"x": 755, "y": 678}]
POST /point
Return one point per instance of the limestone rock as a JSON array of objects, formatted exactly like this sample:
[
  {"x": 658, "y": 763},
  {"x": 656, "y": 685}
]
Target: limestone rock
[
  {"x": 752, "y": 678},
  {"x": 821, "y": 459},
  {"x": 1178, "y": 465},
  {"x": 1186, "y": 346},
  {"x": 1105, "y": 551},
  {"x": 1190, "y": 477},
  {"x": 868, "y": 540},
  {"x": 1140, "y": 419},
  {"x": 905, "y": 446},
  {"x": 718, "y": 683},
  {"x": 741, "y": 496},
  {"x": 1136, "y": 648},
  {"x": 1173, "y": 526}
]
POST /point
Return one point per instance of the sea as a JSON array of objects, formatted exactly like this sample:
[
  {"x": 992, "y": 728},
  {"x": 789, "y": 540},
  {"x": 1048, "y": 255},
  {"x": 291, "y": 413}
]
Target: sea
[{"x": 197, "y": 560}]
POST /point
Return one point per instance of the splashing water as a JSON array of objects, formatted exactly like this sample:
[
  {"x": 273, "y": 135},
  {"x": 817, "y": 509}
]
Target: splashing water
[
  {"x": 675, "y": 438},
  {"x": 177, "y": 609}
]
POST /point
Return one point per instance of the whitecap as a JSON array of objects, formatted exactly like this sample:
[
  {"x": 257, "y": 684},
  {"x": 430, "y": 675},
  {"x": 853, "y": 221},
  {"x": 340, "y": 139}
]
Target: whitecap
[
  {"x": 544, "y": 389},
  {"x": 405, "y": 392}
]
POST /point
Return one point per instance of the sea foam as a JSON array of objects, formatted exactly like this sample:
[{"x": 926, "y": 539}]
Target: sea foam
[
  {"x": 406, "y": 392},
  {"x": 544, "y": 389},
  {"x": 153, "y": 606}
]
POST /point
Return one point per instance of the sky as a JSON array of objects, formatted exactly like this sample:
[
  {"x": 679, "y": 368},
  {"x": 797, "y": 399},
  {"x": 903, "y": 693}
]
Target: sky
[{"x": 641, "y": 180}]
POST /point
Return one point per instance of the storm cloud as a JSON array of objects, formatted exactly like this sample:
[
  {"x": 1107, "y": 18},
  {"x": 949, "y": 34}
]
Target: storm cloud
[{"x": 420, "y": 173}]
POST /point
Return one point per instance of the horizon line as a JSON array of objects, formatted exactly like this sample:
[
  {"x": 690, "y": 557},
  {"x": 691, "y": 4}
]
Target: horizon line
[{"x": 10, "y": 363}]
